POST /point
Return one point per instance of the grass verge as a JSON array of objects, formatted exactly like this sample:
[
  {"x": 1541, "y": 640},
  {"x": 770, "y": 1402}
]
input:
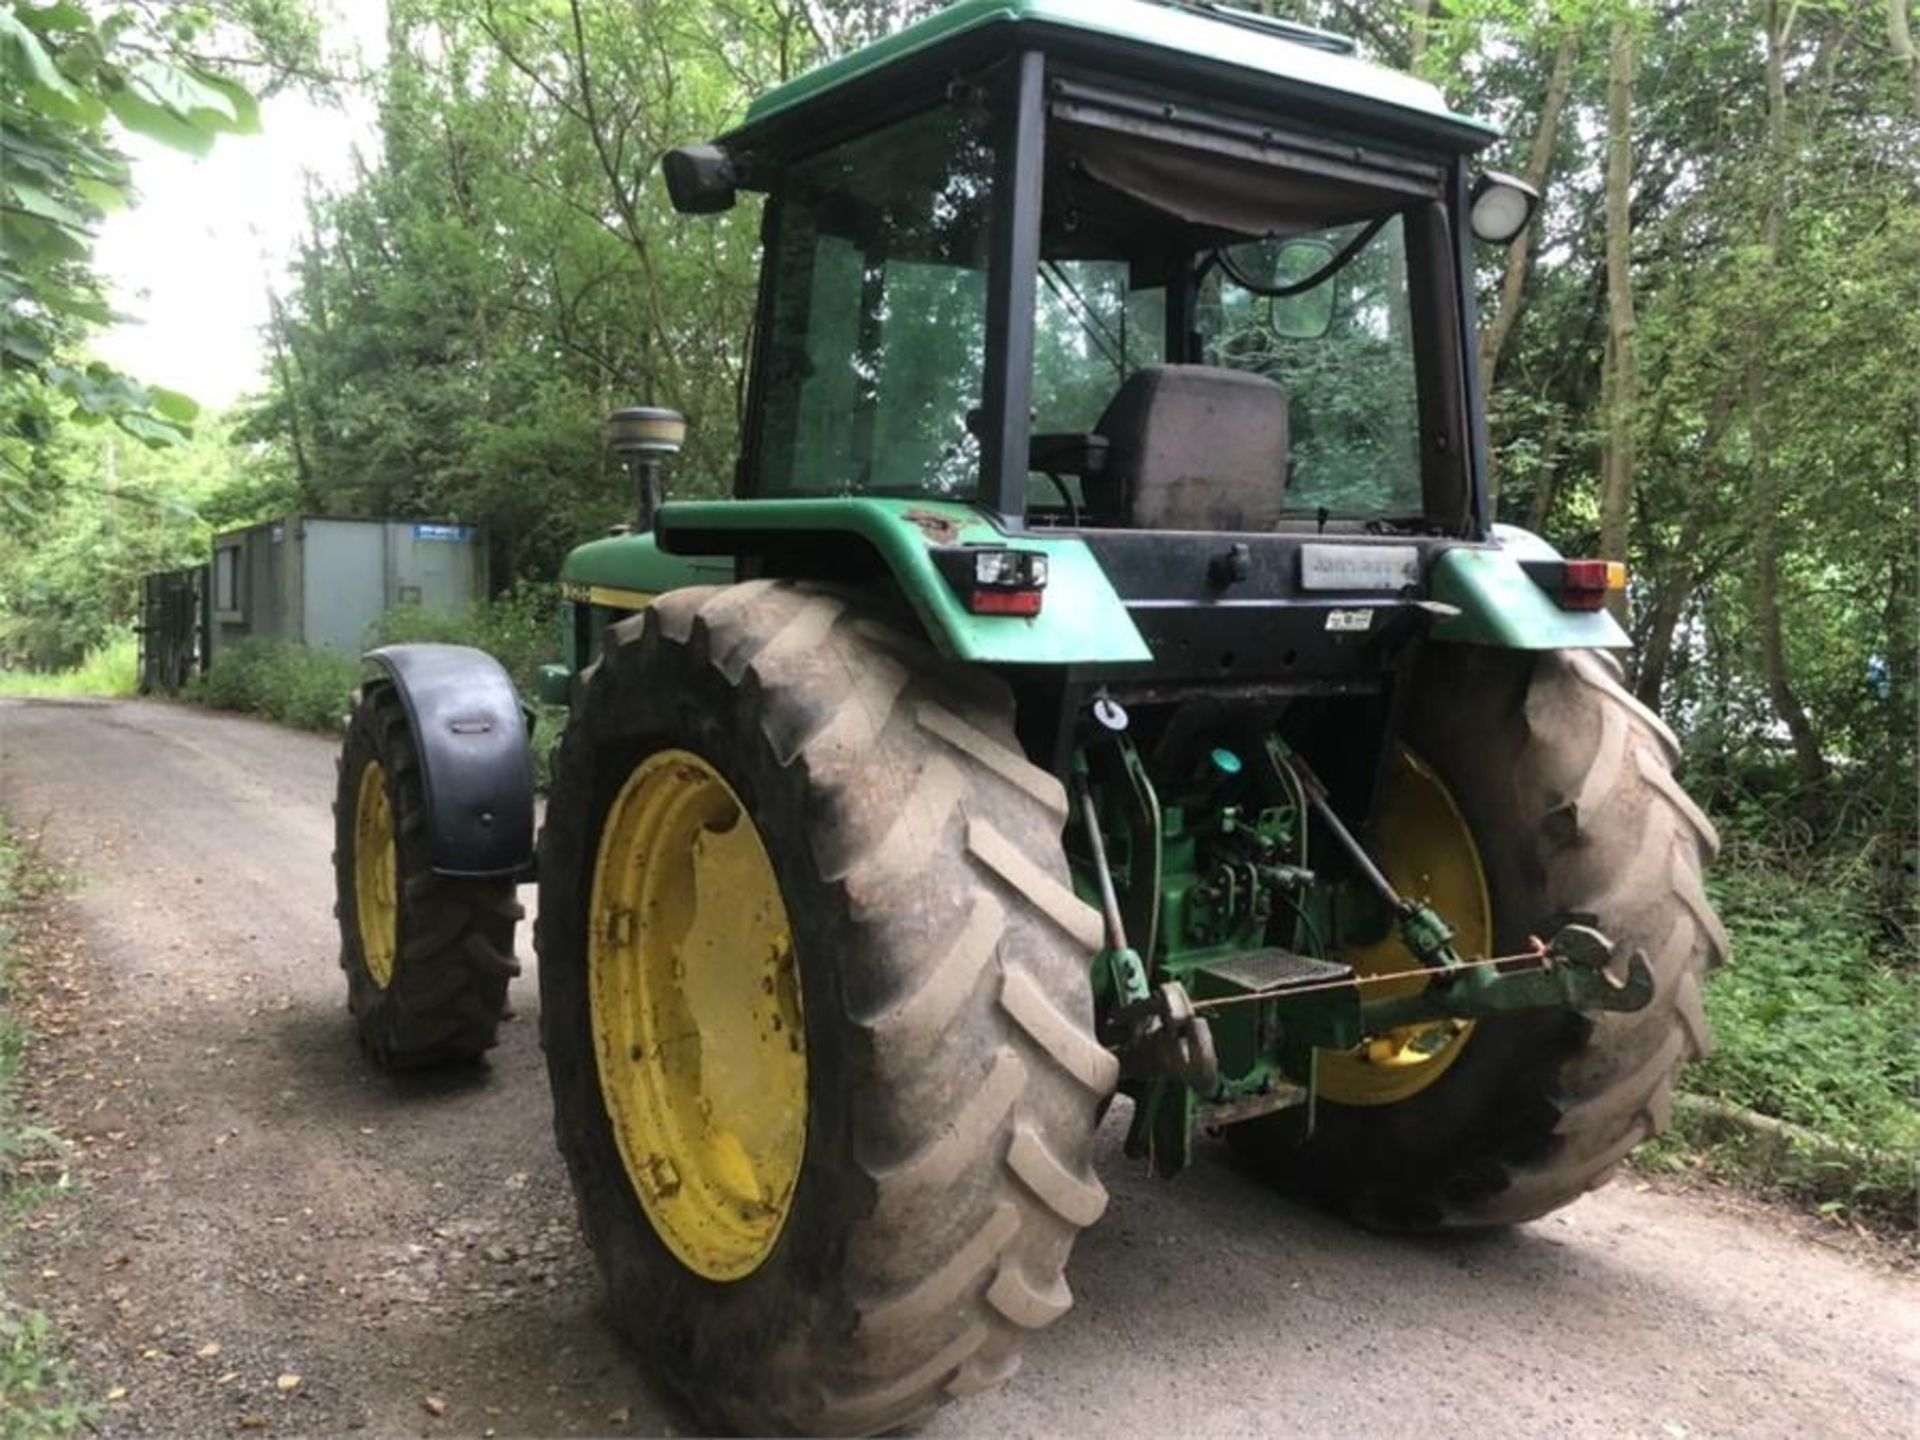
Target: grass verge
[
  {"x": 39, "y": 1395},
  {"x": 1810, "y": 1093},
  {"x": 111, "y": 670}
]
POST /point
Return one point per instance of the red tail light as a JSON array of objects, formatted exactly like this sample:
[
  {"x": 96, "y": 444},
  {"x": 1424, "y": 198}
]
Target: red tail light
[
  {"x": 1004, "y": 602},
  {"x": 994, "y": 579},
  {"x": 1578, "y": 584},
  {"x": 1585, "y": 584}
]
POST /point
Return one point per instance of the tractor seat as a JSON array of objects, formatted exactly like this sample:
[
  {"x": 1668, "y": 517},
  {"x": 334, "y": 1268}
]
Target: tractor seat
[{"x": 1192, "y": 447}]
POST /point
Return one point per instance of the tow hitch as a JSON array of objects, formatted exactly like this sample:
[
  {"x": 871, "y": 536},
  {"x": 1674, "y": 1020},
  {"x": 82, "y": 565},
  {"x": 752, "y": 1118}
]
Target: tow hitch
[{"x": 1302, "y": 1005}]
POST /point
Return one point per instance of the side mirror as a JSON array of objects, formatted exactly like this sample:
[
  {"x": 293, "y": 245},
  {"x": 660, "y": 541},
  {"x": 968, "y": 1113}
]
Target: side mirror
[
  {"x": 701, "y": 179},
  {"x": 644, "y": 438},
  {"x": 1283, "y": 276},
  {"x": 1500, "y": 206},
  {"x": 1308, "y": 314}
]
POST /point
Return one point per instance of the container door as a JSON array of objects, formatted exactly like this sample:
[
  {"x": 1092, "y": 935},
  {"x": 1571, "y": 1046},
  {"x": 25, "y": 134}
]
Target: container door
[
  {"x": 345, "y": 582},
  {"x": 437, "y": 566}
]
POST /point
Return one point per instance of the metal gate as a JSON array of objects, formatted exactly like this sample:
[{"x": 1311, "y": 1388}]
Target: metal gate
[{"x": 172, "y": 629}]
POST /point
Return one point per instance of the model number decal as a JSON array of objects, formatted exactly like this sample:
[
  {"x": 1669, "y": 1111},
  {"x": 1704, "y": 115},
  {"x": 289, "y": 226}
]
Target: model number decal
[
  {"x": 1348, "y": 621},
  {"x": 1359, "y": 567}
]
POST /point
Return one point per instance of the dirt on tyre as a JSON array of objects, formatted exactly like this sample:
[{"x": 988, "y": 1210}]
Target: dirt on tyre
[
  {"x": 428, "y": 957},
  {"x": 1565, "y": 783},
  {"x": 785, "y": 837}
]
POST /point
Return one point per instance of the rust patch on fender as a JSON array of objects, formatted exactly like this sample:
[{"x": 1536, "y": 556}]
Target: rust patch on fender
[{"x": 938, "y": 529}]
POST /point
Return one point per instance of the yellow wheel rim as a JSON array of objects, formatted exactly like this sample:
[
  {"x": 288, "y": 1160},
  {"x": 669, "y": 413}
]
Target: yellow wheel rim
[
  {"x": 376, "y": 870},
  {"x": 1424, "y": 846},
  {"x": 697, "y": 1030}
]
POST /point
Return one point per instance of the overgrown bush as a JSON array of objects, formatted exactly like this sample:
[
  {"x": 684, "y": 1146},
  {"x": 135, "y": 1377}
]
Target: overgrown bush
[
  {"x": 312, "y": 689},
  {"x": 308, "y": 689},
  {"x": 518, "y": 629},
  {"x": 1817, "y": 1018}
]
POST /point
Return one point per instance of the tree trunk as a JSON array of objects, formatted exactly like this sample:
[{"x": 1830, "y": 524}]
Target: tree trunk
[
  {"x": 1622, "y": 387},
  {"x": 1493, "y": 339},
  {"x": 1421, "y": 23},
  {"x": 1673, "y": 590},
  {"x": 1546, "y": 480},
  {"x": 283, "y": 366},
  {"x": 1669, "y": 603},
  {"x": 1901, "y": 659},
  {"x": 1767, "y": 489},
  {"x": 1900, "y": 38},
  {"x": 1807, "y": 756}
]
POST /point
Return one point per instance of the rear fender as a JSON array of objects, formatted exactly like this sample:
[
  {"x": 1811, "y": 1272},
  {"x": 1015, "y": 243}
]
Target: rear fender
[
  {"x": 476, "y": 766},
  {"x": 1082, "y": 620},
  {"x": 1494, "y": 602}
]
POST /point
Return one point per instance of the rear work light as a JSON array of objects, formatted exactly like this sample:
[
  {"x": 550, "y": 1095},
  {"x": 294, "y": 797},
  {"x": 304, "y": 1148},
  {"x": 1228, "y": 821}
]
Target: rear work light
[
  {"x": 1578, "y": 584},
  {"x": 995, "y": 580}
]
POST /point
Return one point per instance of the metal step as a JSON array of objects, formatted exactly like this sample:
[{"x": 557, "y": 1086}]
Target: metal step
[{"x": 1259, "y": 971}]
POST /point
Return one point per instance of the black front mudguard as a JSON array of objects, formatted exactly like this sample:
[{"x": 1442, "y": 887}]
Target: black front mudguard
[{"x": 476, "y": 765}]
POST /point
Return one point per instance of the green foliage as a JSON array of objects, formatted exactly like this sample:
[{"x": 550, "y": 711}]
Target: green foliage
[
  {"x": 70, "y": 573},
  {"x": 111, "y": 669},
  {"x": 1817, "y": 1018},
  {"x": 75, "y": 80},
  {"x": 39, "y": 1397},
  {"x": 71, "y": 81},
  {"x": 463, "y": 319},
  {"x": 312, "y": 688},
  {"x": 519, "y": 629},
  {"x": 1811, "y": 1011},
  {"x": 281, "y": 680}
]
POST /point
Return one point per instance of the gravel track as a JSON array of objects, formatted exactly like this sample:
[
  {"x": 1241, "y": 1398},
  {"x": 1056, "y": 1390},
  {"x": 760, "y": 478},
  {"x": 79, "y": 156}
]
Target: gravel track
[{"x": 407, "y": 1246}]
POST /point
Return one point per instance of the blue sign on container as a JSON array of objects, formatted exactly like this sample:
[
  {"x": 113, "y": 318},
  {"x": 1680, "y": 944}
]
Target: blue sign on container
[{"x": 442, "y": 532}]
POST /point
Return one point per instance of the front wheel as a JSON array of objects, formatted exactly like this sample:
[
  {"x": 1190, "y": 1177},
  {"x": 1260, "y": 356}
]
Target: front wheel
[
  {"x": 816, "y": 1009},
  {"x": 1531, "y": 791},
  {"x": 428, "y": 957}
]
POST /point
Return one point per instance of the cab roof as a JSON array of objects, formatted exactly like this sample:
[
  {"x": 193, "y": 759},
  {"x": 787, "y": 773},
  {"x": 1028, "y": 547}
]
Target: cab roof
[{"x": 1173, "y": 43}]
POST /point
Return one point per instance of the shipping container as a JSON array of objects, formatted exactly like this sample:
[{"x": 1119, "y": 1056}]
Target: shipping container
[{"x": 322, "y": 581}]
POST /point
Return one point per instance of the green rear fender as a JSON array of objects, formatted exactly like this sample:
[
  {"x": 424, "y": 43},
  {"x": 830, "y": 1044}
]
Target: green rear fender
[
  {"x": 1081, "y": 622},
  {"x": 1500, "y": 606},
  {"x": 620, "y": 573},
  {"x": 627, "y": 571}
]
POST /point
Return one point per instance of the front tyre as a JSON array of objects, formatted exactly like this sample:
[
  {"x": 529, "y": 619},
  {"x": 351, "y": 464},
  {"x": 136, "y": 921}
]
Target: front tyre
[
  {"x": 816, "y": 1008},
  {"x": 1561, "y": 787},
  {"x": 428, "y": 957}
]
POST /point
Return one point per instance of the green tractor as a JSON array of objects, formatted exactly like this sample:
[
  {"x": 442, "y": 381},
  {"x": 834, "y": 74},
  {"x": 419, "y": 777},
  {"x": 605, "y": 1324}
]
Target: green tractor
[{"x": 1106, "y": 678}]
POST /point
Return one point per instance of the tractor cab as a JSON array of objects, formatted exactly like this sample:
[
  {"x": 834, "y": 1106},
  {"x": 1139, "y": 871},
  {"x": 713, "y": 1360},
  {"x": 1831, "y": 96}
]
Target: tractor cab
[
  {"x": 1120, "y": 301},
  {"x": 1141, "y": 275}
]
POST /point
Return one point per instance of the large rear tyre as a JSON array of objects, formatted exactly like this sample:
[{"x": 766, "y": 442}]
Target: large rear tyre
[
  {"x": 1564, "y": 783},
  {"x": 428, "y": 957},
  {"x": 776, "y": 811}
]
